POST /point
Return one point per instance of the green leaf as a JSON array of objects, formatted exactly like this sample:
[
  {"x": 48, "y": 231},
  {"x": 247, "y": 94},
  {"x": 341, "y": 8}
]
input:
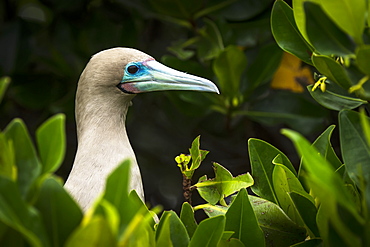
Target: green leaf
[
  {"x": 116, "y": 193},
  {"x": 96, "y": 232},
  {"x": 54, "y": 203},
  {"x": 363, "y": 59},
  {"x": 307, "y": 212},
  {"x": 7, "y": 159},
  {"x": 334, "y": 101},
  {"x": 223, "y": 185},
  {"x": 261, "y": 155},
  {"x": 241, "y": 219},
  {"x": 286, "y": 32},
  {"x": 284, "y": 182},
  {"x": 326, "y": 185},
  {"x": 15, "y": 213},
  {"x": 177, "y": 231},
  {"x": 140, "y": 229},
  {"x": 51, "y": 142},
  {"x": 4, "y": 83},
  {"x": 324, "y": 35},
  {"x": 349, "y": 15},
  {"x": 28, "y": 164},
  {"x": 209, "y": 232},
  {"x": 262, "y": 69},
  {"x": 229, "y": 67},
  {"x": 354, "y": 146},
  {"x": 279, "y": 229},
  {"x": 197, "y": 155},
  {"x": 187, "y": 218},
  {"x": 331, "y": 69}
]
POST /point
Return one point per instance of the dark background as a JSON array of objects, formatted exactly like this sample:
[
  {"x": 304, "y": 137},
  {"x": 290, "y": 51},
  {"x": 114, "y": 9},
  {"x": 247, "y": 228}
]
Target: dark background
[{"x": 45, "y": 44}]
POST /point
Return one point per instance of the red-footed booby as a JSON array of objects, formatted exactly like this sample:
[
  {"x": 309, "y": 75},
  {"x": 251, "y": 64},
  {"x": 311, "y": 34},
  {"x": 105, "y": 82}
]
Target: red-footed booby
[{"x": 106, "y": 87}]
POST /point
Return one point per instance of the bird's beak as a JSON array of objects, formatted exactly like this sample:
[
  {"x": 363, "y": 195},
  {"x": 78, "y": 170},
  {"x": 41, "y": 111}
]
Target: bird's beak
[{"x": 151, "y": 76}]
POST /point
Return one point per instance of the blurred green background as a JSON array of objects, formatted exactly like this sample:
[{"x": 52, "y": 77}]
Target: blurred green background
[{"x": 45, "y": 44}]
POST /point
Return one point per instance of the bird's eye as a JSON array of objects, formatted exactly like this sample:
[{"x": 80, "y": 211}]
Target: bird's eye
[{"x": 132, "y": 69}]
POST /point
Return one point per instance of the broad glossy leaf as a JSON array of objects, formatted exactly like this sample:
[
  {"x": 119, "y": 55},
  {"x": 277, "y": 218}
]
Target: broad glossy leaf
[
  {"x": 354, "y": 146},
  {"x": 307, "y": 212},
  {"x": 139, "y": 230},
  {"x": 209, "y": 232},
  {"x": 7, "y": 158},
  {"x": 325, "y": 184},
  {"x": 51, "y": 143},
  {"x": 363, "y": 58},
  {"x": 300, "y": 17},
  {"x": 324, "y": 35},
  {"x": 331, "y": 69},
  {"x": 334, "y": 101},
  {"x": 4, "y": 83},
  {"x": 241, "y": 219},
  {"x": 325, "y": 148},
  {"x": 187, "y": 218},
  {"x": 349, "y": 15},
  {"x": 177, "y": 231},
  {"x": 279, "y": 229},
  {"x": 15, "y": 213},
  {"x": 116, "y": 193},
  {"x": 286, "y": 32},
  {"x": 28, "y": 164},
  {"x": 164, "y": 237},
  {"x": 261, "y": 155},
  {"x": 96, "y": 232},
  {"x": 285, "y": 182},
  {"x": 223, "y": 185},
  {"x": 54, "y": 204},
  {"x": 229, "y": 67}
]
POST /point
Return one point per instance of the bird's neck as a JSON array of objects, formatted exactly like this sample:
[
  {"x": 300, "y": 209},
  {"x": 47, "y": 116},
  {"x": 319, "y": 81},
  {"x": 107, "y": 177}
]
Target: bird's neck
[{"x": 102, "y": 145}]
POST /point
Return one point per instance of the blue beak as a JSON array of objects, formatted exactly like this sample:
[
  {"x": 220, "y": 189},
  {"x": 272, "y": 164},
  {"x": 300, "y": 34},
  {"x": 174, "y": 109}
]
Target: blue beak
[{"x": 150, "y": 75}]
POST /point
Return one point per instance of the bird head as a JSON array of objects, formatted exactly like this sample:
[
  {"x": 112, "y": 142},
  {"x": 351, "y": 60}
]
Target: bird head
[{"x": 133, "y": 72}]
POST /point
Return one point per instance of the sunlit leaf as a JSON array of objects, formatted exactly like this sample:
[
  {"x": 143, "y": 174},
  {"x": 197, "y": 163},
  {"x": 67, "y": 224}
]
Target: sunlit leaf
[
  {"x": 223, "y": 185},
  {"x": 187, "y": 218},
  {"x": 209, "y": 232},
  {"x": 349, "y": 15},
  {"x": 261, "y": 155},
  {"x": 241, "y": 219},
  {"x": 51, "y": 142},
  {"x": 28, "y": 164},
  {"x": 177, "y": 231},
  {"x": 95, "y": 233}
]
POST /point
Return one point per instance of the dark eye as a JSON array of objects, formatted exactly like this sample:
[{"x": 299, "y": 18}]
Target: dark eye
[{"x": 132, "y": 69}]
